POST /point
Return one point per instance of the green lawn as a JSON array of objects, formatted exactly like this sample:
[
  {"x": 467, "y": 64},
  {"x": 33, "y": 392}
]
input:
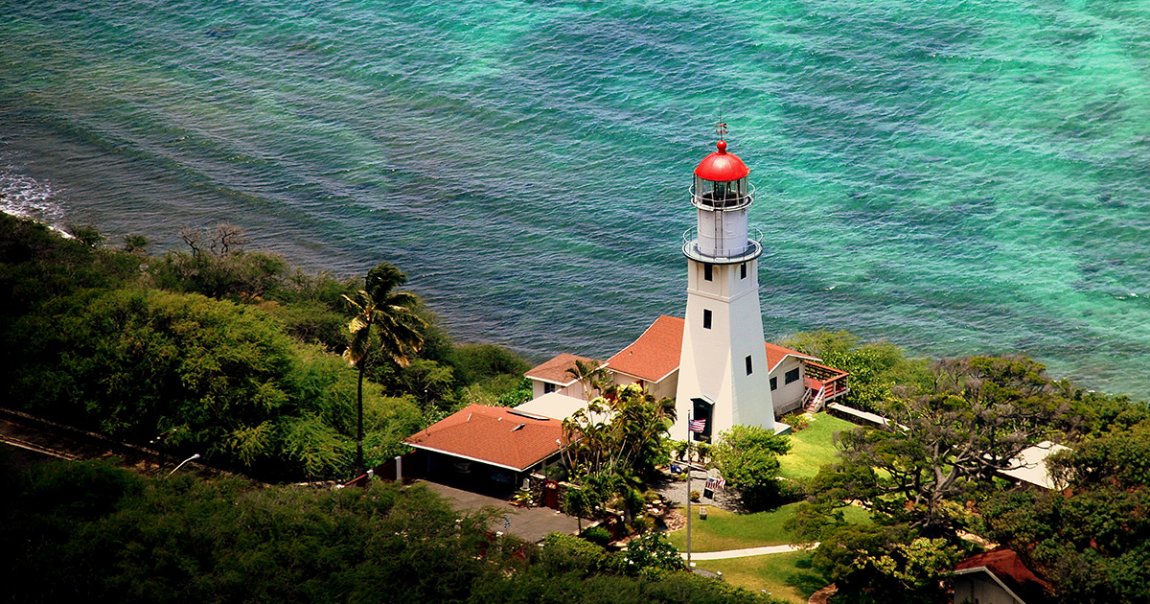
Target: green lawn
[
  {"x": 724, "y": 530},
  {"x": 788, "y": 576},
  {"x": 813, "y": 447}
]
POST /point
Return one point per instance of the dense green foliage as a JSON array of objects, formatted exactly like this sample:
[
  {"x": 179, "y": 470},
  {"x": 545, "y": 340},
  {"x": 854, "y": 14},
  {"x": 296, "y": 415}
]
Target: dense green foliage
[
  {"x": 208, "y": 376},
  {"x": 875, "y": 368},
  {"x": 748, "y": 457},
  {"x": 884, "y": 563},
  {"x": 928, "y": 474},
  {"x": 617, "y": 442},
  {"x": 1091, "y": 541},
  {"x": 92, "y": 532},
  {"x": 216, "y": 351},
  {"x": 944, "y": 445}
]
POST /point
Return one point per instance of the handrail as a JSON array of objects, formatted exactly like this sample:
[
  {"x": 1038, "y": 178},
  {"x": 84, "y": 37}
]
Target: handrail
[{"x": 753, "y": 250}]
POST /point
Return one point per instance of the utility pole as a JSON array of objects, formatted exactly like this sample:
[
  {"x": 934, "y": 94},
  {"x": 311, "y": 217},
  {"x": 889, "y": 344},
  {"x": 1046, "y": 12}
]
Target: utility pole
[{"x": 689, "y": 433}]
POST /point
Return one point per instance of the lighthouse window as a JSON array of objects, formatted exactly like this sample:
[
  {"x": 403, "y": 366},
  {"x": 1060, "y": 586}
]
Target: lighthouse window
[
  {"x": 706, "y": 319},
  {"x": 708, "y": 272},
  {"x": 743, "y": 270},
  {"x": 748, "y": 361},
  {"x": 792, "y": 375}
]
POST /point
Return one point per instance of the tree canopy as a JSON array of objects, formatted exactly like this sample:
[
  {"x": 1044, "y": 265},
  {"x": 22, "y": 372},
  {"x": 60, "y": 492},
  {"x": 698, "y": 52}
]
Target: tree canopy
[
  {"x": 617, "y": 441},
  {"x": 943, "y": 445},
  {"x": 93, "y": 532},
  {"x": 1091, "y": 541},
  {"x": 220, "y": 351},
  {"x": 748, "y": 457}
]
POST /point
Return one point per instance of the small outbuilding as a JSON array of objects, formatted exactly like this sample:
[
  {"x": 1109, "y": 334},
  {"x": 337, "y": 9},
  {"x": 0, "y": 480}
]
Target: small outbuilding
[
  {"x": 488, "y": 449},
  {"x": 997, "y": 577}
]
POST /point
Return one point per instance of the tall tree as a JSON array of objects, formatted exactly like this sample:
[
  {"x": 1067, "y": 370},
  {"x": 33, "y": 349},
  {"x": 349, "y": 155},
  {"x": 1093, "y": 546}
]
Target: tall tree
[
  {"x": 616, "y": 441},
  {"x": 943, "y": 446},
  {"x": 396, "y": 335}
]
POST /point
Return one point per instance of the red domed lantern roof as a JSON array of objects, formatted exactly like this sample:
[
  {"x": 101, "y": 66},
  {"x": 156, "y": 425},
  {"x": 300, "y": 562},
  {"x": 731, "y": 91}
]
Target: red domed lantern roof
[{"x": 721, "y": 166}]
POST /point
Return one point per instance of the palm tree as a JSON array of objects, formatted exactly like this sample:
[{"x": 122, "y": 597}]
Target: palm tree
[
  {"x": 592, "y": 375},
  {"x": 396, "y": 335}
]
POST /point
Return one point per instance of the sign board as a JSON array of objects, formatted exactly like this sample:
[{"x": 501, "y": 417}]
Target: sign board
[{"x": 715, "y": 484}]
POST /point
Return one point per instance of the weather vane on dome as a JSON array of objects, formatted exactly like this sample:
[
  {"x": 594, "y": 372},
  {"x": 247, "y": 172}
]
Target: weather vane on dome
[{"x": 721, "y": 129}]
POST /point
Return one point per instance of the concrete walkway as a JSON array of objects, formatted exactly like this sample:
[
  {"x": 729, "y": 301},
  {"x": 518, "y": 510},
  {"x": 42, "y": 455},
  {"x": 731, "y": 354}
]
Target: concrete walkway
[{"x": 746, "y": 553}]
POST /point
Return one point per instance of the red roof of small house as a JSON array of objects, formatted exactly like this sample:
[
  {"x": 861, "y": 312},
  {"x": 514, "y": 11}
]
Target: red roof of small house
[
  {"x": 555, "y": 370},
  {"x": 721, "y": 166},
  {"x": 655, "y": 355},
  {"x": 493, "y": 435},
  {"x": 1009, "y": 569},
  {"x": 776, "y": 354}
]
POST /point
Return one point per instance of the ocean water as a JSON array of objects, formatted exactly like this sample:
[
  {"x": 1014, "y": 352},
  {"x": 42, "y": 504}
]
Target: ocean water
[{"x": 955, "y": 177}]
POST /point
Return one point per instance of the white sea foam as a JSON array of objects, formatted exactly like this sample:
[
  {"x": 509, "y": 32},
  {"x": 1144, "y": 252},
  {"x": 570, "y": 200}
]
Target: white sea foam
[{"x": 24, "y": 196}]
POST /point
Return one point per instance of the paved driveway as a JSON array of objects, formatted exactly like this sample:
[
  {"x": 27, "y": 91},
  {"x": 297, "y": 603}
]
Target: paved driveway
[{"x": 529, "y": 524}]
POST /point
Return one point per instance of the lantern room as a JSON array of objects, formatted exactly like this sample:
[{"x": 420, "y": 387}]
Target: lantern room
[
  {"x": 721, "y": 180},
  {"x": 722, "y": 195}
]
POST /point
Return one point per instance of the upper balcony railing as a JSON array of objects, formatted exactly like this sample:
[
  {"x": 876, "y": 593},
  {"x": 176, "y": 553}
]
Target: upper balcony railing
[
  {"x": 753, "y": 250},
  {"x": 715, "y": 201}
]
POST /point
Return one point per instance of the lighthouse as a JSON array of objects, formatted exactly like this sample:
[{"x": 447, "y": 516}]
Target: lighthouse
[{"x": 723, "y": 363}]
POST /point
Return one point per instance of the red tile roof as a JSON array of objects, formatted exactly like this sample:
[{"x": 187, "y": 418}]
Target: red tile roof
[
  {"x": 1005, "y": 564},
  {"x": 776, "y": 354},
  {"x": 655, "y": 355},
  {"x": 555, "y": 370},
  {"x": 493, "y": 435}
]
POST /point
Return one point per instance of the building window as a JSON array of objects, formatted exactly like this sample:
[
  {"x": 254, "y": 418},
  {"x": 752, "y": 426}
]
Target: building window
[
  {"x": 743, "y": 270},
  {"x": 706, "y": 319},
  {"x": 708, "y": 272},
  {"x": 774, "y": 383},
  {"x": 748, "y": 362},
  {"x": 548, "y": 388},
  {"x": 792, "y": 375}
]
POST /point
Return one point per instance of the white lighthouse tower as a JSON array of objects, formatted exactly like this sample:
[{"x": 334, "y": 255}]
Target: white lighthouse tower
[{"x": 723, "y": 365}]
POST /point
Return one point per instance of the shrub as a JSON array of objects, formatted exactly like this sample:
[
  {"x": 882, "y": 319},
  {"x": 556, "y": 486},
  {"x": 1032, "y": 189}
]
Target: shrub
[
  {"x": 597, "y": 534},
  {"x": 797, "y": 421}
]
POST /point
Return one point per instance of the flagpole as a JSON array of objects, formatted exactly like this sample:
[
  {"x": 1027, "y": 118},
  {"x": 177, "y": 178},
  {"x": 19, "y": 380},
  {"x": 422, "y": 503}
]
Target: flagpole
[{"x": 689, "y": 490}]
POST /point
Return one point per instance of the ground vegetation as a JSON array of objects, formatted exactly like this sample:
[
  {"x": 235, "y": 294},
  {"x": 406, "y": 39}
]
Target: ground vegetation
[
  {"x": 93, "y": 532},
  {"x": 618, "y": 443},
  {"x": 225, "y": 352}
]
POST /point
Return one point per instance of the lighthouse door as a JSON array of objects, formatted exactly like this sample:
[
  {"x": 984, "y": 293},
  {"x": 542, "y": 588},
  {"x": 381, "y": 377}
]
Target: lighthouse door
[{"x": 702, "y": 409}]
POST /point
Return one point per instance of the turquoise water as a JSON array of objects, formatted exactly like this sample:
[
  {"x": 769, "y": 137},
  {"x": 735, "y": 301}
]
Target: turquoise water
[{"x": 956, "y": 177}]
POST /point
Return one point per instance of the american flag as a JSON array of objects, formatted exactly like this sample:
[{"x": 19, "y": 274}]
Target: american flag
[{"x": 698, "y": 425}]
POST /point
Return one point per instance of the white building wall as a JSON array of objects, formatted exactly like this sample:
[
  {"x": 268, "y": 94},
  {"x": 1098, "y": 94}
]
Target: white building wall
[
  {"x": 539, "y": 388},
  {"x": 713, "y": 361},
  {"x": 722, "y": 233},
  {"x": 788, "y": 397},
  {"x": 972, "y": 588}
]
